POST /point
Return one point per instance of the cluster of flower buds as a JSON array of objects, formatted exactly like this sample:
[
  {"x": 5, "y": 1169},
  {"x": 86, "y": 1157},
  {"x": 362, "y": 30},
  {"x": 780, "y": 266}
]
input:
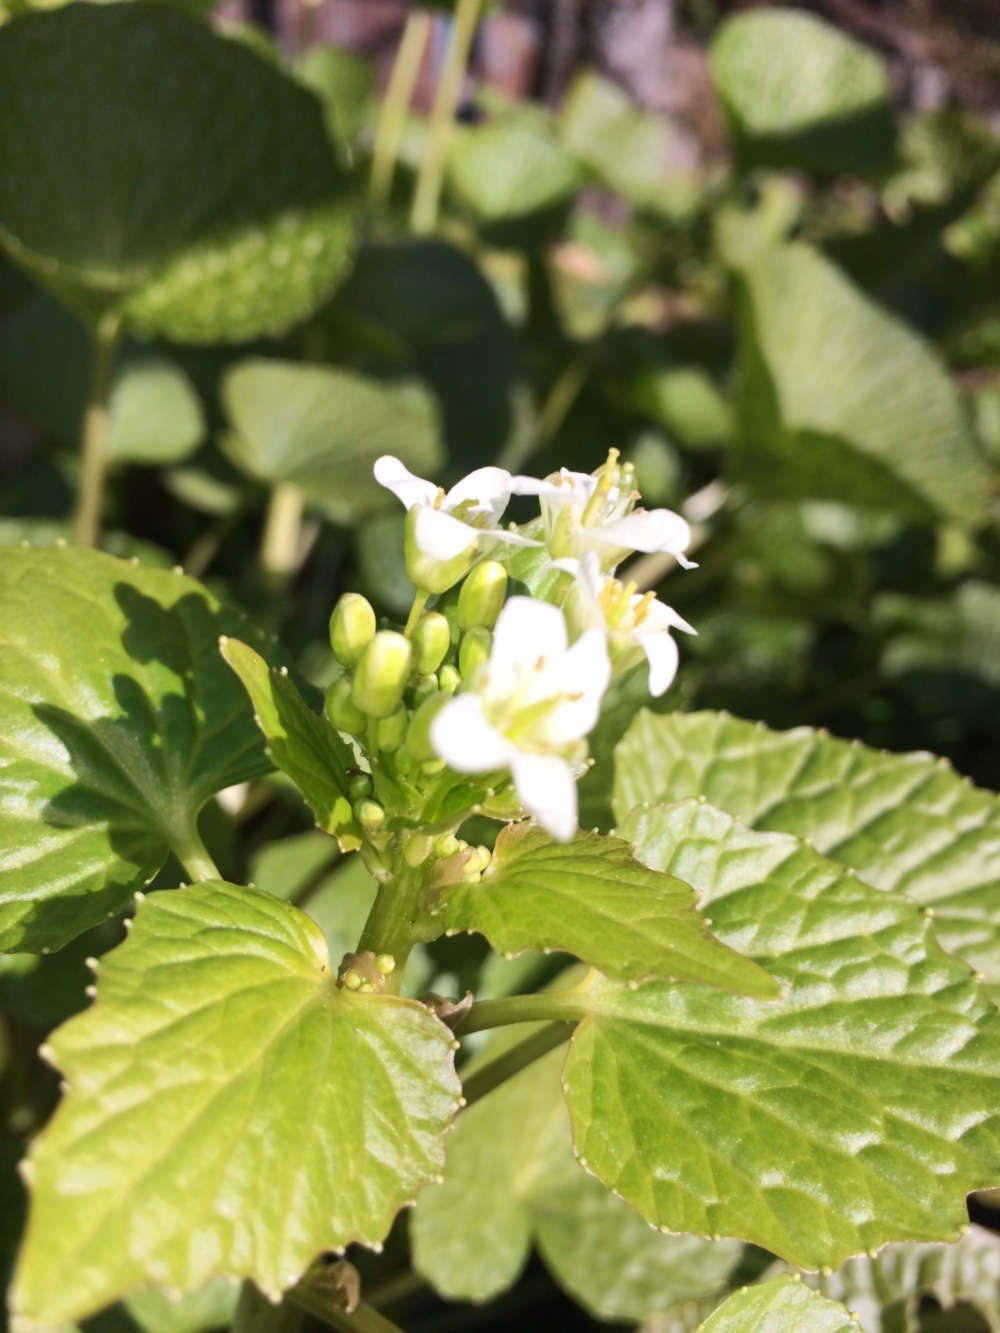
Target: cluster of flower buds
[{"x": 479, "y": 683}]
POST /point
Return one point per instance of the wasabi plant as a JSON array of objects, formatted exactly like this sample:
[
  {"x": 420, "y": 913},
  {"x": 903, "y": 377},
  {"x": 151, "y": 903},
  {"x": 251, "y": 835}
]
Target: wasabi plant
[{"x": 733, "y": 1015}]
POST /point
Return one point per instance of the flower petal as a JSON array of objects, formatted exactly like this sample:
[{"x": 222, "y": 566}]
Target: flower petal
[
  {"x": 395, "y": 477},
  {"x": 525, "y": 631},
  {"x": 546, "y": 789},
  {"x": 662, "y": 656},
  {"x": 659, "y": 616},
  {"x": 488, "y": 487},
  {"x": 439, "y": 536},
  {"x": 646, "y": 530},
  {"x": 582, "y": 677},
  {"x": 491, "y": 536},
  {"x": 466, "y": 741}
]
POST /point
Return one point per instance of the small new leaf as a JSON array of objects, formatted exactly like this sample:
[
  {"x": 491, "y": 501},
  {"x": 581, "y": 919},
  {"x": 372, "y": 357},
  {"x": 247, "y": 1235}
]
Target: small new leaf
[
  {"x": 229, "y": 1110},
  {"x": 784, "y": 1305},
  {"x": 302, "y": 744},
  {"x": 592, "y": 898}
]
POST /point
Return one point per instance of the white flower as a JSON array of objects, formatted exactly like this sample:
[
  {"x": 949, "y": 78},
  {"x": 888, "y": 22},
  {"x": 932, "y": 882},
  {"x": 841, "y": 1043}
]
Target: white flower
[
  {"x": 596, "y": 512},
  {"x": 635, "y": 623},
  {"x": 445, "y": 531},
  {"x": 528, "y": 709}
]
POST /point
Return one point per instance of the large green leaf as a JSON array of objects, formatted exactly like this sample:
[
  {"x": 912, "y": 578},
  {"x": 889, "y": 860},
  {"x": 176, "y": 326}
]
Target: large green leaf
[
  {"x": 118, "y": 720},
  {"x": 511, "y": 1178},
  {"x": 155, "y": 414},
  {"x": 207, "y": 207},
  {"x": 229, "y": 1110},
  {"x": 859, "y": 1108},
  {"x": 511, "y": 167},
  {"x": 592, "y": 898},
  {"x": 902, "y": 821},
  {"x": 783, "y": 1305},
  {"x": 323, "y": 429},
  {"x": 301, "y": 743},
  {"x": 839, "y": 400},
  {"x": 797, "y": 92}
]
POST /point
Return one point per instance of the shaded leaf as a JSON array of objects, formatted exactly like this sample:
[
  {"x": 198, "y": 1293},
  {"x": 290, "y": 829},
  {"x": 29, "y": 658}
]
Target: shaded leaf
[
  {"x": 592, "y": 898},
  {"x": 118, "y": 721},
  {"x": 223, "y": 1087},
  {"x": 903, "y": 821},
  {"x": 859, "y": 1108}
]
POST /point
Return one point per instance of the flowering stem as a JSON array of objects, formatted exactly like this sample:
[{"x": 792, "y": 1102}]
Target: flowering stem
[
  {"x": 396, "y": 104},
  {"x": 94, "y": 445},
  {"x": 416, "y": 611},
  {"x": 519, "y": 1057},
  {"x": 428, "y": 193},
  {"x": 391, "y": 923}
]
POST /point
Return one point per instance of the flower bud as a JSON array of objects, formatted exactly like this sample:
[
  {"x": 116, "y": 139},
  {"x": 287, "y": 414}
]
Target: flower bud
[
  {"x": 482, "y": 595},
  {"x": 352, "y": 628},
  {"x": 382, "y": 673},
  {"x": 369, "y": 814},
  {"x": 418, "y": 736},
  {"x": 341, "y": 709},
  {"x": 423, "y": 689},
  {"x": 385, "y": 963},
  {"x": 475, "y": 650},
  {"x": 359, "y": 785},
  {"x": 391, "y": 730},
  {"x": 449, "y": 678},
  {"x": 433, "y": 573},
  {"x": 431, "y": 641}
]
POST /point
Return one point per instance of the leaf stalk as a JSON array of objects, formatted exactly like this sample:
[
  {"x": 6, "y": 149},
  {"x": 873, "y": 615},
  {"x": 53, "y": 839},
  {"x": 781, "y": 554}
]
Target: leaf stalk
[{"x": 94, "y": 443}]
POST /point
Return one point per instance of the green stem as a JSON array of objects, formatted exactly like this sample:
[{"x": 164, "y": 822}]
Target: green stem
[
  {"x": 427, "y": 197},
  {"x": 563, "y": 394},
  {"x": 390, "y": 927},
  {"x": 567, "y": 1006},
  {"x": 193, "y": 856},
  {"x": 396, "y": 104},
  {"x": 519, "y": 1057},
  {"x": 362, "y": 1319},
  {"x": 416, "y": 611},
  {"x": 279, "y": 548},
  {"x": 256, "y": 1314},
  {"x": 94, "y": 444}
]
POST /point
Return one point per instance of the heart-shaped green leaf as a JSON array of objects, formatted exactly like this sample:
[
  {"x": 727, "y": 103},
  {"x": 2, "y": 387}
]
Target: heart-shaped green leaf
[
  {"x": 511, "y": 1177},
  {"x": 118, "y": 721},
  {"x": 819, "y": 365},
  {"x": 860, "y": 1108},
  {"x": 512, "y": 166},
  {"x": 592, "y": 898},
  {"x": 206, "y": 207},
  {"x": 323, "y": 430},
  {"x": 302, "y": 744},
  {"x": 229, "y": 1110},
  {"x": 902, "y": 821},
  {"x": 783, "y": 1305},
  {"x": 798, "y": 92}
]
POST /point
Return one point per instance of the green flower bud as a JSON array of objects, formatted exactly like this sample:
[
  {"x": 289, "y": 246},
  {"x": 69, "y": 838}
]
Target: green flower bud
[
  {"x": 431, "y": 641},
  {"x": 428, "y": 572},
  {"x": 385, "y": 963},
  {"x": 448, "y": 845},
  {"x": 449, "y": 678},
  {"x": 418, "y": 736},
  {"x": 475, "y": 650},
  {"x": 341, "y": 709},
  {"x": 359, "y": 785},
  {"x": 352, "y": 628},
  {"x": 424, "y": 688},
  {"x": 382, "y": 673},
  {"x": 369, "y": 814},
  {"x": 482, "y": 595},
  {"x": 417, "y": 848},
  {"x": 391, "y": 730}
]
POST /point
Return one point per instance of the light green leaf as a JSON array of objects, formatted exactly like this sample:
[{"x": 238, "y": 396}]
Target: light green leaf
[
  {"x": 510, "y": 1177},
  {"x": 511, "y": 167},
  {"x": 156, "y": 416},
  {"x": 323, "y": 429},
  {"x": 592, "y": 898},
  {"x": 345, "y": 84},
  {"x": 213, "y": 210},
  {"x": 839, "y": 400},
  {"x": 902, "y": 821},
  {"x": 628, "y": 149},
  {"x": 687, "y": 403},
  {"x": 210, "y": 1306},
  {"x": 797, "y": 92},
  {"x": 288, "y": 867},
  {"x": 224, "y": 1091},
  {"x": 301, "y": 743},
  {"x": 884, "y": 1292},
  {"x": 118, "y": 721},
  {"x": 859, "y": 1109},
  {"x": 784, "y": 1305}
]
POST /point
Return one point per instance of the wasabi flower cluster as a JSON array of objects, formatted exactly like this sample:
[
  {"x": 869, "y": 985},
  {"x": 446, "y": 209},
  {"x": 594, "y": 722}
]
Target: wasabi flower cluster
[{"x": 484, "y": 702}]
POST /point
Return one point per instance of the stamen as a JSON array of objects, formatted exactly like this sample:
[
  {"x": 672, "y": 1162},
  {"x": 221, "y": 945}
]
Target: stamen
[{"x": 439, "y": 498}]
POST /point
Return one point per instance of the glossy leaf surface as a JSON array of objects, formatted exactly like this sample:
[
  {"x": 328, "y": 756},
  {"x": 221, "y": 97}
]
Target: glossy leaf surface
[{"x": 223, "y": 1088}]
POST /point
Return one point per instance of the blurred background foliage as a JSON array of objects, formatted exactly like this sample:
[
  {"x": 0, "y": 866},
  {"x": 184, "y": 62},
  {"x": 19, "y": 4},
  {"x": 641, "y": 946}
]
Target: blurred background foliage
[{"x": 757, "y": 249}]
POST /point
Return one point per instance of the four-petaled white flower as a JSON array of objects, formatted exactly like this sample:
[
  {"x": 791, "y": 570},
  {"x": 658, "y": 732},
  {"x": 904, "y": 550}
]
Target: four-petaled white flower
[
  {"x": 596, "y": 512},
  {"x": 445, "y": 531},
  {"x": 637, "y": 624},
  {"x": 528, "y": 708}
]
